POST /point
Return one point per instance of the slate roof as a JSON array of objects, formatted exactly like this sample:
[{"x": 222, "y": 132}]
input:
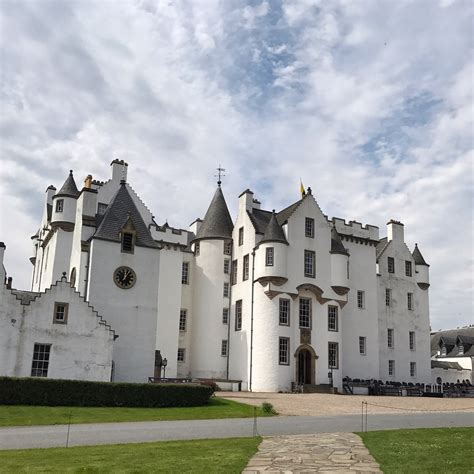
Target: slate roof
[
  {"x": 381, "y": 247},
  {"x": 260, "y": 219},
  {"x": 69, "y": 187},
  {"x": 217, "y": 223},
  {"x": 336, "y": 243},
  {"x": 450, "y": 338},
  {"x": 117, "y": 214},
  {"x": 443, "y": 364},
  {"x": 274, "y": 232},
  {"x": 286, "y": 213},
  {"x": 419, "y": 260}
]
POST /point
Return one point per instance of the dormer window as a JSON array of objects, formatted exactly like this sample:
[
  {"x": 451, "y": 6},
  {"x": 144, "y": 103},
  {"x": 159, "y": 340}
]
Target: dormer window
[
  {"x": 128, "y": 242},
  {"x": 460, "y": 349},
  {"x": 443, "y": 350},
  {"x": 101, "y": 208},
  {"x": 59, "y": 205}
]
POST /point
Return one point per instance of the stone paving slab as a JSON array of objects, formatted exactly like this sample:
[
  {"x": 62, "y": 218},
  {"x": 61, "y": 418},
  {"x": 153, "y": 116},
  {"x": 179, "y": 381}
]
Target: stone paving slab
[{"x": 323, "y": 452}]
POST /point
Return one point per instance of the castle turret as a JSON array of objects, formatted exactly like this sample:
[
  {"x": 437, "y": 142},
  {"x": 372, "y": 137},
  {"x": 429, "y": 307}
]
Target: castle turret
[
  {"x": 339, "y": 264},
  {"x": 64, "y": 205},
  {"x": 422, "y": 271}
]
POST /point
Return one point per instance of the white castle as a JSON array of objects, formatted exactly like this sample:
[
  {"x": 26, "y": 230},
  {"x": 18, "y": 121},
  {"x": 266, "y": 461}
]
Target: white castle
[{"x": 268, "y": 301}]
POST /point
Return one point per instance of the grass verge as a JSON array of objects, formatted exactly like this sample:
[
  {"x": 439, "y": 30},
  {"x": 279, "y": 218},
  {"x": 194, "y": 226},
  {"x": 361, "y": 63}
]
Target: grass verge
[
  {"x": 207, "y": 456},
  {"x": 19, "y": 415},
  {"x": 422, "y": 450}
]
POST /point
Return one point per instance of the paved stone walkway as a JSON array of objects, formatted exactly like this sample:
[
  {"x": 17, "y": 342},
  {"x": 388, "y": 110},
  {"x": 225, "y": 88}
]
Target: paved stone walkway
[{"x": 323, "y": 452}]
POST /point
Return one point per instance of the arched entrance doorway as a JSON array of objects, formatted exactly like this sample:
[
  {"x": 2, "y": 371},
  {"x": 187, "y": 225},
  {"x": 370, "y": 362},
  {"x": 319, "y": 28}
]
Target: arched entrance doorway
[{"x": 305, "y": 365}]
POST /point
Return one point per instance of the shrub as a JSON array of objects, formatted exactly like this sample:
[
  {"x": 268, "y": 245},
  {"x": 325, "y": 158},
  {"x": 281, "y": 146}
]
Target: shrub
[
  {"x": 210, "y": 383},
  {"x": 51, "y": 392},
  {"x": 268, "y": 408}
]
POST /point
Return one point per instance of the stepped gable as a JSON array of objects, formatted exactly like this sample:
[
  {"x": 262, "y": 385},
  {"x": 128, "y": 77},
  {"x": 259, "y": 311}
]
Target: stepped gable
[
  {"x": 26, "y": 297},
  {"x": 120, "y": 210},
  {"x": 274, "y": 232},
  {"x": 419, "y": 260},
  {"x": 217, "y": 223},
  {"x": 336, "y": 243},
  {"x": 69, "y": 187}
]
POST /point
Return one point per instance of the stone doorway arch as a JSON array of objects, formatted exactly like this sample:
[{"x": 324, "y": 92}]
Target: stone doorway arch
[{"x": 305, "y": 365}]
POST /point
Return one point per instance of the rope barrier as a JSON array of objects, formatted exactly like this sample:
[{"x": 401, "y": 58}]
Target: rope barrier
[{"x": 419, "y": 409}]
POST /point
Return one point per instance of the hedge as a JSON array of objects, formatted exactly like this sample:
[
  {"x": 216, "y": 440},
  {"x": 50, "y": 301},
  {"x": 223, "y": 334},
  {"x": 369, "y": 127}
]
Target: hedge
[{"x": 52, "y": 392}]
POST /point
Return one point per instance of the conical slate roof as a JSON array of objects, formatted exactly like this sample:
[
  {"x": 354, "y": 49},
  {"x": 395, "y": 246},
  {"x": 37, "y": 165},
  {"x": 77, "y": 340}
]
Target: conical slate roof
[
  {"x": 274, "y": 231},
  {"x": 120, "y": 211},
  {"x": 69, "y": 187},
  {"x": 419, "y": 260},
  {"x": 217, "y": 223},
  {"x": 336, "y": 243}
]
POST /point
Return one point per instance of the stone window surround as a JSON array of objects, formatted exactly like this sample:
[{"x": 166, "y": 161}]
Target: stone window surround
[{"x": 60, "y": 308}]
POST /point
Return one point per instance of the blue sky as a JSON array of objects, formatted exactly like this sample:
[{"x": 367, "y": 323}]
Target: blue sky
[{"x": 370, "y": 102}]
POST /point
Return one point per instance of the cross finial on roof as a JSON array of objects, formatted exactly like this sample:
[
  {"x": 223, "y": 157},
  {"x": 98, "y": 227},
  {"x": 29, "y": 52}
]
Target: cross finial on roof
[{"x": 220, "y": 174}]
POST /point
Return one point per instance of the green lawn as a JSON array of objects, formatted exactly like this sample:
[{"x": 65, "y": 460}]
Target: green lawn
[
  {"x": 226, "y": 456},
  {"x": 422, "y": 450},
  {"x": 18, "y": 415}
]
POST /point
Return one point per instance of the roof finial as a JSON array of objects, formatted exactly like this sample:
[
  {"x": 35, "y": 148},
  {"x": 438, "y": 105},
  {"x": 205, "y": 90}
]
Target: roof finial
[{"x": 219, "y": 175}]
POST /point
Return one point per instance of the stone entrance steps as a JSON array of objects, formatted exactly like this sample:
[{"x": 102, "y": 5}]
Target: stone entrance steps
[{"x": 321, "y": 388}]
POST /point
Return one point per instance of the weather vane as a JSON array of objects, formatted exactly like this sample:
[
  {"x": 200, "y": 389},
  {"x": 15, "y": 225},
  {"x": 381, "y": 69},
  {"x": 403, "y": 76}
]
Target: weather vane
[{"x": 220, "y": 174}]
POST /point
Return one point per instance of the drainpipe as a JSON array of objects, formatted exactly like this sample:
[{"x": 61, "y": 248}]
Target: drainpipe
[{"x": 251, "y": 319}]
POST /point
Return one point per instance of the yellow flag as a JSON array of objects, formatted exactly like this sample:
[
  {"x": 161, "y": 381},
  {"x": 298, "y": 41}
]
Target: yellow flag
[{"x": 303, "y": 192}]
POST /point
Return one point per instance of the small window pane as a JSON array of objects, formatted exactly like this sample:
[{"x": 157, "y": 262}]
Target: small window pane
[
  {"x": 333, "y": 355},
  {"x": 269, "y": 257},
  {"x": 284, "y": 351},
  {"x": 362, "y": 345},
  {"x": 238, "y": 315},
  {"x": 332, "y": 318},
  {"x": 245, "y": 275},
  {"x": 40, "y": 363},
  {"x": 309, "y": 227},
  {"x": 408, "y": 271},
  {"x": 185, "y": 273},
  {"x": 183, "y": 314},
  {"x": 225, "y": 316},
  {"x": 391, "y": 264},
  {"x": 284, "y": 312},
  {"x": 224, "y": 348},
  {"x": 305, "y": 313},
  {"x": 309, "y": 263}
]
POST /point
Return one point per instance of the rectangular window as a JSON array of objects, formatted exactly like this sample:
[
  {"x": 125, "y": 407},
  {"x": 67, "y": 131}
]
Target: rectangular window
[
  {"x": 391, "y": 264},
  {"x": 391, "y": 367},
  {"x": 183, "y": 314},
  {"x": 305, "y": 313},
  {"x": 245, "y": 270},
  {"x": 40, "y": 365},
  {"x": 269, "y": 257},
  {"x": 234, "y": 272},
  {"x": 197, "y": 249},
  {"x": 284, "y": 351},
  {"x": 388, "y": 297},
  {"x": 225, "y": 316},
  {"x": 181, "y": 354},
  {"x": 227, "y": 248},
  {"x": 59, "y": 205},
  {"x": 309, "y": 227},
  {"x": 412, "y": 369},
  {"x": 333, "y": 355},
  {"x": 127, "y": 242},
  {"x": 284, "y": 312},
  {"x": 238, "y": 315},
  {"x": 60, "y": 313},
  {"x": 332, "y": 318},
  {"x": 361, "y": 299},
  {"x": 412, "y": 340},
  {"x": 390, "y": 338},
  {"x": 347, "y": 269},
  {"x": 101, "y": 208},
  {"x": 362, "y": 348},
  {"x": 410, "y": 301},
  {"x": 226, "y": 290},
  {"x": 408, "y": 271},
  {"x": 185, "y": 273},
  {"x": 241, "y": 236},
  {"x": 226, "y": 266},
  {"x": 224, "y": 348},
  {"x": 309, "y": 264}
]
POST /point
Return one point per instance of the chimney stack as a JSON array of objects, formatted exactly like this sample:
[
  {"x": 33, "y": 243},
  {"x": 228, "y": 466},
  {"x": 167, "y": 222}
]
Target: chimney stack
[{"x": 395, "y": 231}]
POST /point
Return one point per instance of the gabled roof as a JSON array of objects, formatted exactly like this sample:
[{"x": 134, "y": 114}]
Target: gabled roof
[
  {"x": 419, "y": 260},
  {"x": 450, "y": 338},
  {"x": 381, "y": 247},
  {"x": 69, "y": 187},
  {"x": 122, "y": 210},
  {"x": 336, "y": 243},
  {"x": 286, "y": 213},
  {"x": 274, "y": 232},
  {"x": 259, "y": 219},
  {"x": 217, "y": 223}
]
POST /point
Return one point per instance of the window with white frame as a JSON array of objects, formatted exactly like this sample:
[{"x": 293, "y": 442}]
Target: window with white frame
[
  {"x": 59, "y": 205},
  {"x": 245, "y": 269},
  {"x": 391, "y": 367},
  {"x": 226, "y": 266},
  {"x": 412, "y": 369},
  {"x": 60, "y": 313},
  {"x": 309, "y": 227},
  {"x": 183, "y": 315},
  {"x": 333, "y": 355},
  {"x": 234, "y": 272},
  {"x": 305, "y": 313},
  {"x": 410, "y": 301},
  {"x": 390, "y": 338},
  {"x": 284, "y": 312},
  {"x": 241, "y": 236},
  {"x": 332, "y": 318},
  {"x": 226, "y": 290},
  {"x": 269, "y": 257},
  {"x": 228, "y": 248},
  {"x": 284, "y": 351},
  {"x": 238, "y": 315},
  {"x": 40, "y": 364},
  {"x": 224, "y": 345},
  {"x": 361, "y": 299},
  {"x": 362, "y": 345},
  {"x": 412, "y": 341},
  {"x": 309, "y": 264},
  {"x": 388, "y": 297},
  {"x": 408, "y": 268},
  {"x": 225, "y": 315},
  {"x": 197, "y": 248},
  {"x": 185, "y": 273},
  {"x": 181, "y": 354},
  {"x": 391, "y": 264}
]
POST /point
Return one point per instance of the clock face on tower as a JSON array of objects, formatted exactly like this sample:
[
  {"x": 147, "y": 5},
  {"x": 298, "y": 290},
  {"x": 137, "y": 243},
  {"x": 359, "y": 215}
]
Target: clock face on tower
[{"x": 124, "y": 277}]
